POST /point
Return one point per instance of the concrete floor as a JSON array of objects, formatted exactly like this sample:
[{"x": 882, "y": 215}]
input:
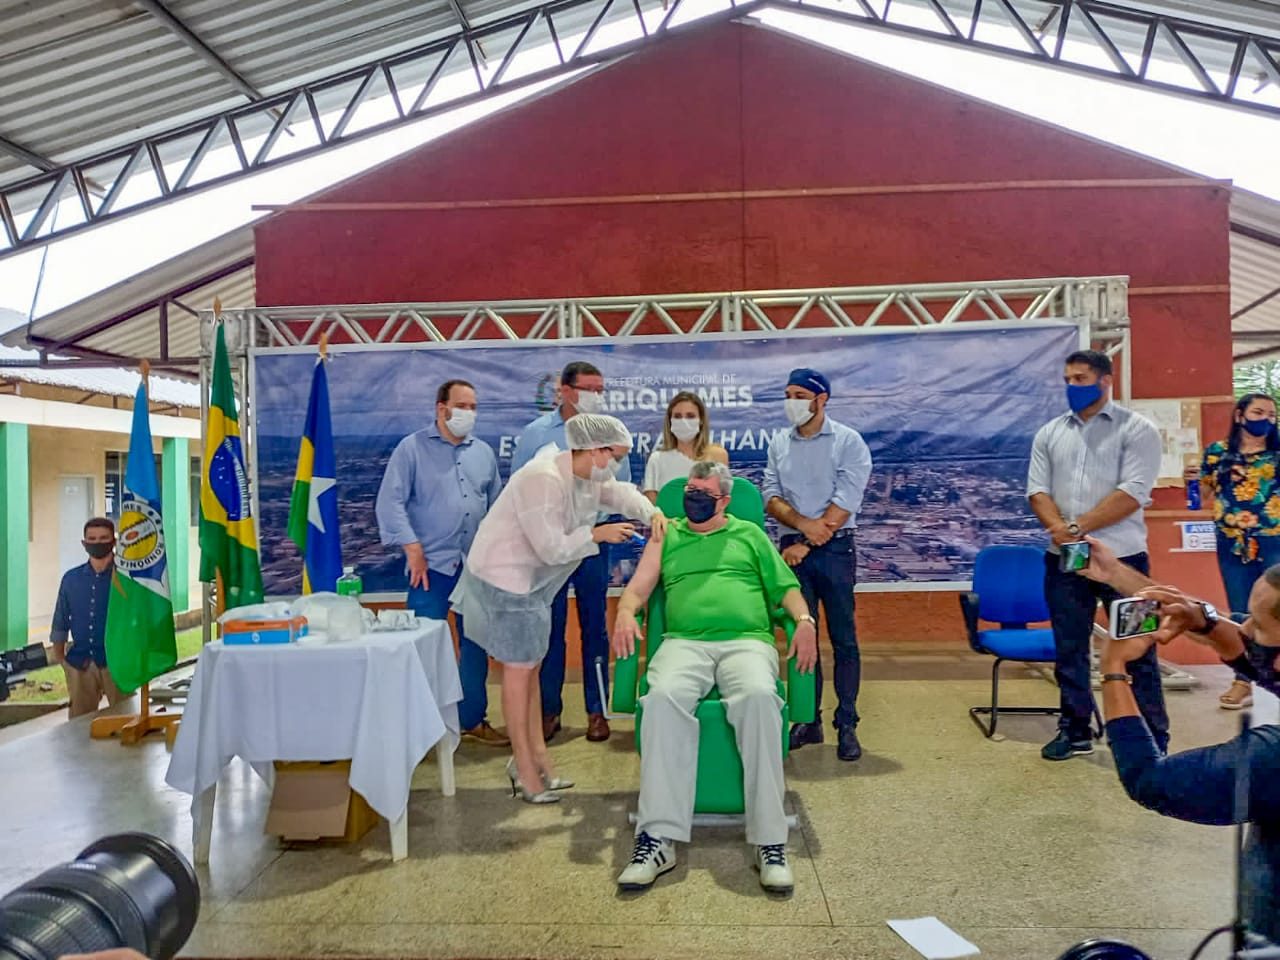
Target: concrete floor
[{"x": 1021, "y": 856}]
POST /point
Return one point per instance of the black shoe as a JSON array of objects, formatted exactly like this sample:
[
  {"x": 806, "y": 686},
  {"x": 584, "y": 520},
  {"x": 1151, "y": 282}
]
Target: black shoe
[
  {"x": 1062, "y": 747},
  {"x": 802, "y": 733},
  {"x": 849, "y": 748}
]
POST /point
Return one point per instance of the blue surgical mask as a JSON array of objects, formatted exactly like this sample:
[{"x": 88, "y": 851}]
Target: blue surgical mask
[
  {"x": 1259, "y": 428},
  {"x": 1080, "y": 397},
  {"x": 699, "y": 506}
]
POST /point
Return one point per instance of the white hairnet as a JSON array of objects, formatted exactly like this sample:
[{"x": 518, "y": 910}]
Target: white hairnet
[{"x": 589, "y": 431}]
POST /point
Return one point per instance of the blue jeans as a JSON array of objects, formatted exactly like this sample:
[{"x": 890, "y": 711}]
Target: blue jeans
[
  {"x": 1239, "y": 575},
  {"x": 828, "y": 575},
  {"x": 473, "y": 663},
  {"x": 1072, "y": 600},
  {"x": 591, "y": 588}
]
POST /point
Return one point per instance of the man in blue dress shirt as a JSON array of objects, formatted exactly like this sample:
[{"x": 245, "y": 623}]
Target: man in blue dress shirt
[
  {"x": 438, "y": 485},
  {"x": 813, "y": 487},
  {"x": 581, "y": 391},
  {"x": 80, "y": 614}
]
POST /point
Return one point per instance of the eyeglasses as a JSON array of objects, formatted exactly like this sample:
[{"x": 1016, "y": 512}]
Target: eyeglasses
[{"x": 693, "y": 489}]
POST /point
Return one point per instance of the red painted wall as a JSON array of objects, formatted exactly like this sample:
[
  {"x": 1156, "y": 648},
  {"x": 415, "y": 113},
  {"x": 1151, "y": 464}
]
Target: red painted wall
[
  {"x": 734, "y": 107},
  {"x": 729, "y": 108}
]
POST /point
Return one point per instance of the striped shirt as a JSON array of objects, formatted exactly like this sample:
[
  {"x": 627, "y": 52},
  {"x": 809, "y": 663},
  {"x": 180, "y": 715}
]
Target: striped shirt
[{"x": 1078, "y": 464}]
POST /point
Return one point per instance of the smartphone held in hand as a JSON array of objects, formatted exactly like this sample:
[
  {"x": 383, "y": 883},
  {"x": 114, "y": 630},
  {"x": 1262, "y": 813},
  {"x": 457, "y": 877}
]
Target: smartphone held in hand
[
  {"x": 1073, "y": 557},
  {"x": 1134, "y": 617}
]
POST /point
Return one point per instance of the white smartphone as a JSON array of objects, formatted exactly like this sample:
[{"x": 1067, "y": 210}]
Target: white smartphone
[{"x": 1134, "y": 617}]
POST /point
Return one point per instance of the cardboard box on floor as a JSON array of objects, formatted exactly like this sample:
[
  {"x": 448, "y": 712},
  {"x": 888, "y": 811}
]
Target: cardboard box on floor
[{"x": 314, "y": 801}]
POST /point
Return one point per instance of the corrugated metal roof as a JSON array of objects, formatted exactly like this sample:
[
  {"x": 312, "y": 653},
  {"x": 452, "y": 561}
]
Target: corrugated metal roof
[
  {"x": 1255, "y": 271},
  {"x": 83, "y": 76},
  {"x": 108, "y": 381},
  {"x": 196, "y": 272}
]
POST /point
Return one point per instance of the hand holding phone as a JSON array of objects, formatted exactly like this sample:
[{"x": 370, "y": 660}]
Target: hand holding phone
[
  {"x": 1074, "y": 557},
  {"x": 1134, "y": 617}
]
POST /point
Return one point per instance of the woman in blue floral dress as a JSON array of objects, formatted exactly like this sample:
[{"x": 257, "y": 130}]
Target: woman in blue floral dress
[{"x": 1240, "y": 473}]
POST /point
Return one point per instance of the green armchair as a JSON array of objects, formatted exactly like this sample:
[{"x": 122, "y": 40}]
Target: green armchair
[{"x": 719, "y": 787}]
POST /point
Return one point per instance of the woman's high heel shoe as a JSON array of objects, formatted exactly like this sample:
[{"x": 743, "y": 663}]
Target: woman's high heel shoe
[
  {"x": 555, "y": 783},
  {"x": 518, "y": 790}
]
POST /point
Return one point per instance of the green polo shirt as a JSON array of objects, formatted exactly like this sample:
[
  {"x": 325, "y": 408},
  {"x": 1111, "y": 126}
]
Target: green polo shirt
[{"x": 722, "y": 585}]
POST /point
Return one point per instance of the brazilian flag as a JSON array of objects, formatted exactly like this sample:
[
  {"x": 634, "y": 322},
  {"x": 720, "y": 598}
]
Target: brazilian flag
[
  {"x": 140, "y": 640},
  {"x": 228, "y": 538},
  {"x": 313, "y": 508}
]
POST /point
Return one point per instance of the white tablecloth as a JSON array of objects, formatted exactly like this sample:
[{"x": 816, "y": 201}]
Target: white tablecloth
[{"x": 382, "y": 702}]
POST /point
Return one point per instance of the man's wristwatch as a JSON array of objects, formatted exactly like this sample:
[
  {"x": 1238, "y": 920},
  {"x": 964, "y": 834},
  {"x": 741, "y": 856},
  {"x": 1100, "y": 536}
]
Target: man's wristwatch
[
  {"x": 1211, "y": 619},
  {"x": 807, "y": 618},
  {"x": 1117, "y": 678},
  {"x": 1073, "y": 528}
]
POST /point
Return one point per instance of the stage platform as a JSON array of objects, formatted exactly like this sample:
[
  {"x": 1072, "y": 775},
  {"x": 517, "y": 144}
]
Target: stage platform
[{"x": 1021, "y": 856}]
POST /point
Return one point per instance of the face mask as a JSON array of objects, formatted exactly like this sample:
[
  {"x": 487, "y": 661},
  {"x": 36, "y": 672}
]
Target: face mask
[
  {"x": 590, "y": 402},
  {"x": 1259, "y": 428},
  {"x": 699, "y": 506},
  {"x": 605, "y": 473},
  {"x": 1078, "y": 397},
  {"x": 685, "y": 428},
  {"x": 798, "y": 411},
  {"x": 461, "y": 421},
  {"x": 99, "y": 550}
]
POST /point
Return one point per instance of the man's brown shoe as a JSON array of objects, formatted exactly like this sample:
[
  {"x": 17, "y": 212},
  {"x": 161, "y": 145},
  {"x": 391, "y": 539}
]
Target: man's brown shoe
[
  {"x": 484, "y": 733},
  {"x": 550, "y": 726},
  {"x": 597, "y": 727}
]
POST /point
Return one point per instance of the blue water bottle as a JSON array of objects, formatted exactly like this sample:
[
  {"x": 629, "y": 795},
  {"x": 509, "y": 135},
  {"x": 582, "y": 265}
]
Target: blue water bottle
[{"x": 1193, "y": 494}]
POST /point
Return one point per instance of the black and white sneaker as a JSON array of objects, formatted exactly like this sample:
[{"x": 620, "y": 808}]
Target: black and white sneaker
[
  {"x": 775, "y": 872},
  {"x": 652, "y": 857},
  {"x": 1062, "y": 747}
]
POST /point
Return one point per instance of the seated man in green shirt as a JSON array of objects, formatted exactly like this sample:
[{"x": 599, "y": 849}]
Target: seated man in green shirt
[{"x": 721, "y": 577}]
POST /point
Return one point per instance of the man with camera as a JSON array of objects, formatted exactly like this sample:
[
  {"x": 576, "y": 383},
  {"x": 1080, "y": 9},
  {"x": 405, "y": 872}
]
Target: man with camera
[
  {"x": 1233, "y": 782},
  {"x": 1091, "y": 472}
]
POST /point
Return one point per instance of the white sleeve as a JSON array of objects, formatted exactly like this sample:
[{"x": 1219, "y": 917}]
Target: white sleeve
[
  {"x": 625, "y": 499},
  {"x": 539, "y": 508},
  {"x": 651, "y": 473}
]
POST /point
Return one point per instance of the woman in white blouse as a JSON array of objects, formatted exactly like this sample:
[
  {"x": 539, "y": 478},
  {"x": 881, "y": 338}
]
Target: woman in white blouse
[
  {"x": 529, "y": 543},
  {"x": 686, "y": 439}
]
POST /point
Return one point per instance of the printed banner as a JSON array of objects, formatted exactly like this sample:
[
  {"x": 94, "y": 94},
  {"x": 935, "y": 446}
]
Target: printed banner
[{"x": 949, "y": 415}]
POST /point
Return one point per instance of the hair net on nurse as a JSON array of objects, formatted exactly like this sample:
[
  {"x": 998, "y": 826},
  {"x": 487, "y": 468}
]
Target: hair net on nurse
[{"x": 590, "y": 431}]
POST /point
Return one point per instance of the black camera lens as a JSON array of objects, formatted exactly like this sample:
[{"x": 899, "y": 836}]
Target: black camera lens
[
  {"x": 128, "y": 890},
  {"x": 1104, "y": 950}
]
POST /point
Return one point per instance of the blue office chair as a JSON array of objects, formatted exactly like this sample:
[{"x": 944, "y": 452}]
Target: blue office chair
[{"x": 1008, "y": 589}]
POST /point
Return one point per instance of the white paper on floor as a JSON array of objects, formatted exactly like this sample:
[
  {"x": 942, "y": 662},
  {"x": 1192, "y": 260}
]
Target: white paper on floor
[{"x": 932, "y": 938}]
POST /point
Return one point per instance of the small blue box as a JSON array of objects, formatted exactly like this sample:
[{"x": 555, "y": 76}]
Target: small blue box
[{"x": 255, "y": 632}]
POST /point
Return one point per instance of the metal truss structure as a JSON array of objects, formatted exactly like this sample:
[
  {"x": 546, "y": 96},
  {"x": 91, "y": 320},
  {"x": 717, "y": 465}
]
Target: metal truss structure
[
  {"x": 1098, "y": 305},
  {"x": 1218, "y": 62}
]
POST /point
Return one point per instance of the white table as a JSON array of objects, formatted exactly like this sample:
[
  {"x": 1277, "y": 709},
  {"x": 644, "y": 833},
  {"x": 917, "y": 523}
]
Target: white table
[{"x": 382, "y": 701}]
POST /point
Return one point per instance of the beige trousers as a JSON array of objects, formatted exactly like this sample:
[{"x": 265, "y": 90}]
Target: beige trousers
[
  {"x": 681, "y": 674},
  {"x": 88, "y": 686}
]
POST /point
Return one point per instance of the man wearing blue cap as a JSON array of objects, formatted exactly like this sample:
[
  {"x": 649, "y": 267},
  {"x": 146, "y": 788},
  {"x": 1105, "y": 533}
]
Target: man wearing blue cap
[{"x": 813, "y": 487}]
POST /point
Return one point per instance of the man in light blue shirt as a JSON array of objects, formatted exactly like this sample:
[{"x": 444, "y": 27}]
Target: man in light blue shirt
[
  {"x": 813, "y": 486},
  {"x": 1091, "y": 473},
  {"x": 581, "y": 391},
  {"x": 438, "y": 485}
]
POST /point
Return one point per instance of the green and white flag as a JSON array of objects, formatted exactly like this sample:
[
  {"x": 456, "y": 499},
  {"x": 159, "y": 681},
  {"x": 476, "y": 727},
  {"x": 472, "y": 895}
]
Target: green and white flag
[{"x": 140, "y": 639}]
